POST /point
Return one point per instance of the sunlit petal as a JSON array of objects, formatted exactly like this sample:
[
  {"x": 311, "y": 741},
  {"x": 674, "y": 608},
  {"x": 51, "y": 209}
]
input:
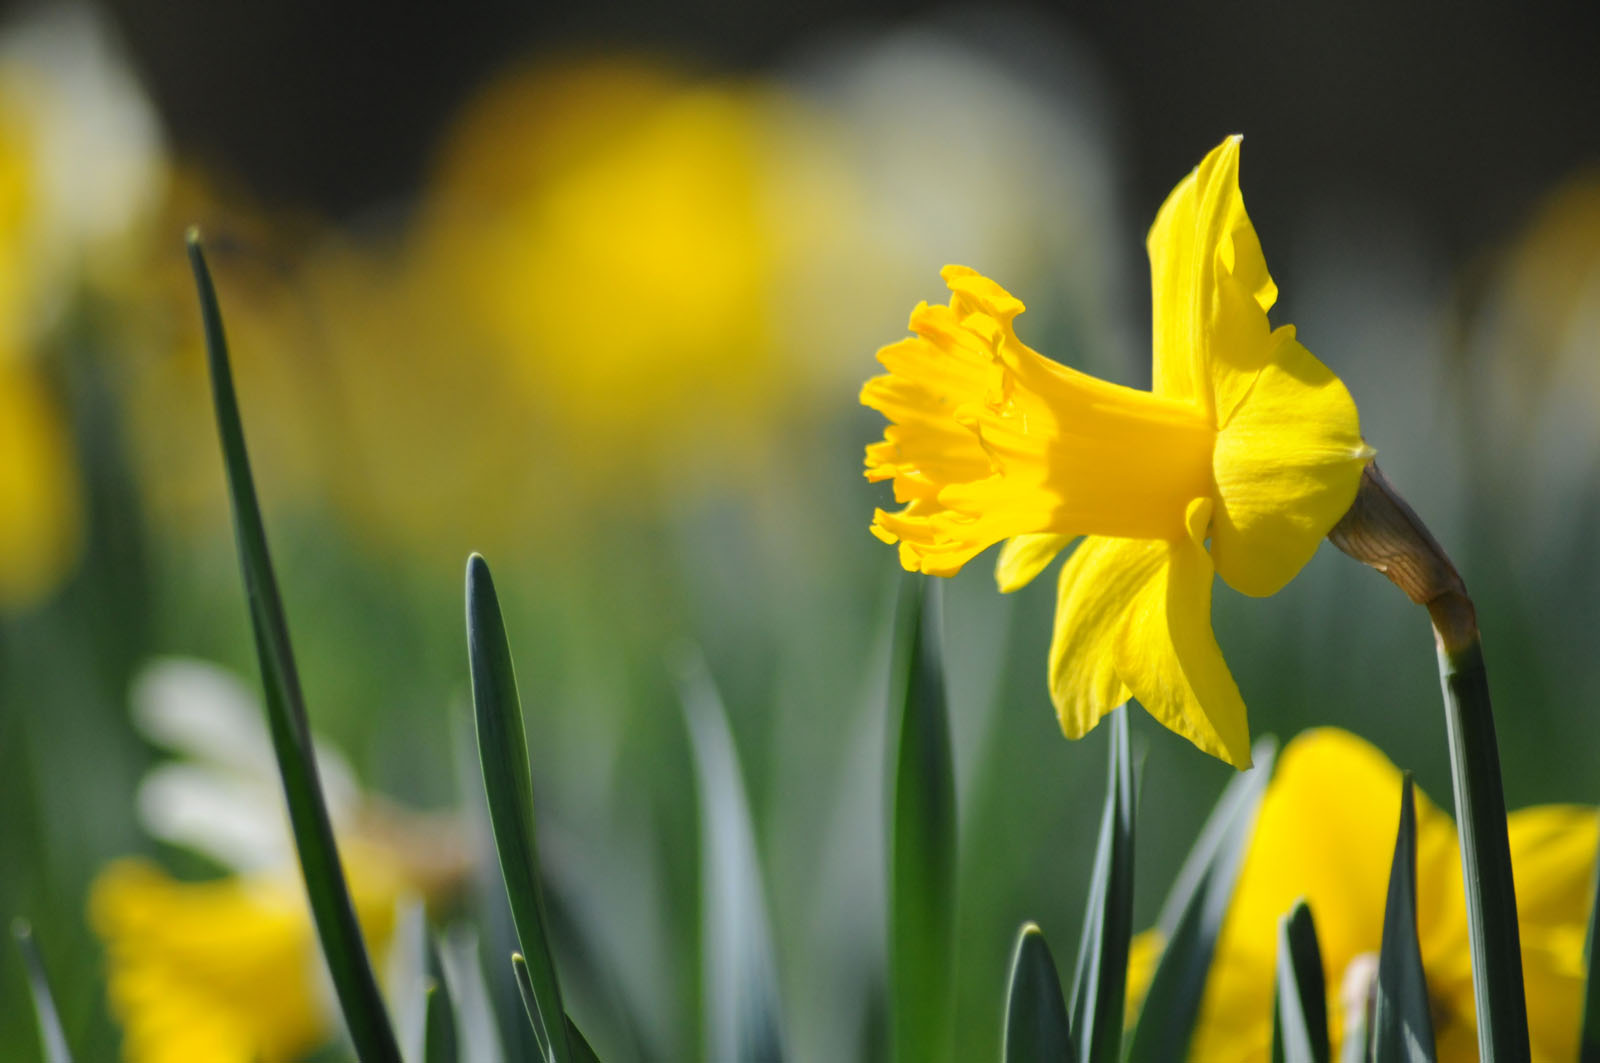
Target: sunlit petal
[{"x": 1134, "y": 616}]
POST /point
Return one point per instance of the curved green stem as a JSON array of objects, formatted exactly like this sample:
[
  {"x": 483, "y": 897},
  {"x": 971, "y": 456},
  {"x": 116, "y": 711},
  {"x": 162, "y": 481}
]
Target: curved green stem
[{"x": 1382, "y": 531}]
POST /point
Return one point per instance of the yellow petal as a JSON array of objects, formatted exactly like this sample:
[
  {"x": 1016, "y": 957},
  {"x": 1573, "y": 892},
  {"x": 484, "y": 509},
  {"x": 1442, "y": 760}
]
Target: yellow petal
[
  {"x": 1202, "y": 238},
  {"x": 1553, "y": 862},
  {"x": 1287, "y": 464},
  {"x": 1134, "y": 616},
  {"x": 990, "y": 440},
  {"x": 1289, "y": 452},
  {"x": 1325, "y": 833},
  {"x": 39, "y": 504},
  {"x": 1024, "y": 557}
]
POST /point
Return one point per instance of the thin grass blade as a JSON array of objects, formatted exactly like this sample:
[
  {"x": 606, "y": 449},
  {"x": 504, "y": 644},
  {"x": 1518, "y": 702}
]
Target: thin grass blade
[
  {"x": 1192, "y": 916},
  {"x": 1100, "y": 984},
  {"x": 52, "y": 1039},
  {"x": 922, "y": 890},
  {"x": 1037, "y": 1028},
  {"x": 581, "y": 1050},
  {"x": 337, "y": 928},
  {"x": 508, "y": 787},
  {"x": 1402, "y": 1019},
  {"x": 741, "y": 991},
  {"x": 1300, "y": 1013}
]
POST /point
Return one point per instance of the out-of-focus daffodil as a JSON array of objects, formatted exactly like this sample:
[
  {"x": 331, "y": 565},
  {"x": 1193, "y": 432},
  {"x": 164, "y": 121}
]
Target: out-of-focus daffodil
[
  {"x": 1325, "y": 833},
  {"x": 79, "y": 159},
  {"x": 230, "y": 969},
  {"x": 1246, "y": 442},
  {"x": 39, "y": 506},
  {"x": 616, "y": 232}
]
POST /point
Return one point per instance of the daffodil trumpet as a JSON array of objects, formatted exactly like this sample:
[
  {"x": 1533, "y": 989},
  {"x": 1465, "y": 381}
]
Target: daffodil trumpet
[{"x": 1383, "y": 531}]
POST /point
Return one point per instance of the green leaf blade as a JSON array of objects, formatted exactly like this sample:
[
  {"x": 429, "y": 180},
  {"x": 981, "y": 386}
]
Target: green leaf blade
[
  {"x": 1589, "y": 1038},
  {"x": 1100, "y": 983},
  {"x": 1402, "y": 1018},
  {"x": 582, "y": 1052},
  {"x": 1300, "y": 1013},
  {"x": 923, "y": 835},
  {"x": 1191, "y": 919},
  {"x": 508, "y": 788},
  {"x": 338, "y": 930},
  {"x": 1036, "y": 1026},
  {"x": 741, "y": 988},
  {"x": 52, "y": 1039}
]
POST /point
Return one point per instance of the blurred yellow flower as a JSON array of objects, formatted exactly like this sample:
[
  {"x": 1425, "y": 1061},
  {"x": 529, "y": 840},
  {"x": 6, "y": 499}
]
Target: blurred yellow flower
[
  {"x": 1246, "y": 441},
  {"x": 230, "y": 969},
  {"x": 39, "y": 505},
  {"x": 78, "y": 160},
  {"x": 1325, "y": 833},
  {"x": 615, "y": 233}
]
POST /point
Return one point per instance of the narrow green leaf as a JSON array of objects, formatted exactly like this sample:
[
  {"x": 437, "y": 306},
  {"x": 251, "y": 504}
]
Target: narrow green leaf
[
  {"x": 742, "y": 1015},
  {"x": 1037, "y": 1028},
  {"x": 581, "y": 1050},
  {"x": 1589, "y": 1041},
  {"x": 1100, "y": 984},
  {"x": 1300, "y": 1014},
  {"x": 329, "y": 896},
  {"x": 1492, "y": 931},
  {"x": 1192, "y": 916},
  {"x": 439, "y": 1039},
  {"x": 922, "y": 892},
  {"x": 52, "y": 1040},
  {"x": 1402, "y": 1021},
  {"x": 508, "y": 786}
]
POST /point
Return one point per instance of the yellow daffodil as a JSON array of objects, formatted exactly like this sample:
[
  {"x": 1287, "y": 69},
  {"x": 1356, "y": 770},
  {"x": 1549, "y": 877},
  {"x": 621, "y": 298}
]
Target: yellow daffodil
[
  {"x": 78, "y": 159},
  {"x": 1325, "y": 832},
  {"x": 230, "y": 969},
  {"x": 565, "y": 195},
  {"x": 1246, "y": 443}
]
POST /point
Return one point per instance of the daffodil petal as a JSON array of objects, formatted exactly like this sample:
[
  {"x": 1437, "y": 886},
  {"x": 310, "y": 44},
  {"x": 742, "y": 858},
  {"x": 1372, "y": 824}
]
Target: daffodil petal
[
  {"x": 1134, "y": 616},
  {"x": 1024, "y": 557},
  {"x": 1287, "y": 464},
  {"x": 1201, "y": 239},
  {"x": 1324, "y": 834},
  {"x": 1553, "y": 862}
]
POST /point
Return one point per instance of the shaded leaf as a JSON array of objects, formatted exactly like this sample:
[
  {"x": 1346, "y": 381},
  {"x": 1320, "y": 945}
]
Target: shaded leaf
[
  {"x": 922, "y": 834},
  {"x": 337, "y": 928},
  {"x": 581, "y": 1050},
  {"x": 1100, "y": 984},
  {"x": 52, "y": 1040},
  {"x": 1300, "y": 1012},
  {"x": 1191, "y": 918},
  {"x": 1589, "y": 1042},
  {"x": 740, "y": 984},
  {"x": 508, "y": 788},
  {"x": 1402, "y": 1020},
  {"x": 1036, "y": 1027}
]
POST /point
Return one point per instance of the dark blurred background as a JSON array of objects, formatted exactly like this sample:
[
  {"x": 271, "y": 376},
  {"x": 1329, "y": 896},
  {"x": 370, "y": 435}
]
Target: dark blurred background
[{"x": 1459, "y": 114}]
